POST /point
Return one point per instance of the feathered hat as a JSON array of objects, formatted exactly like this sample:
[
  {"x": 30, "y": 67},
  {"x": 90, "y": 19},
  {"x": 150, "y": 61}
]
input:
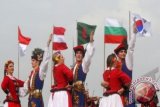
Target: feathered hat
[{"x": 37, "y": 54}]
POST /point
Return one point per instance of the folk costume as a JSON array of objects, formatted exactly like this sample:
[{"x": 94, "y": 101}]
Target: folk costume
[
  {"x": 60, "y": 95},
  {"x": 127, "y": 65},
  {"x": 116, "y": 80},
  {"x": 10, "y": 85},
  {"x": 80, "y": 72},
  {"x": 34, "y": 84}
]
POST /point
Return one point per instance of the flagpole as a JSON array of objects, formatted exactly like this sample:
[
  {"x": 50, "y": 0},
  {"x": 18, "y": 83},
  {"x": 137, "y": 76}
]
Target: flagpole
[
  {"x": 51, "y": 66},
  {"x": 73, "y": 46},
  {"x": 104, "y": 56},
  {"x": 129, "y": 25},
  {"x": 104, "y": 59},
  {"x": 18, "y": 60},
  {"x": 18, "y": 55},
  {"x": 73, "y": 52},
  {"x": 104, "y": 50},
  {"x": 52, "y": 57}
]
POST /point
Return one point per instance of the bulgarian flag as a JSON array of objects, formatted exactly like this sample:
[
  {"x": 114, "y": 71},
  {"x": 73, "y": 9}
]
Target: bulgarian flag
[
  {"x": 114, "y": 32},
  {"x": 84, "y": 31},
  {"x": 58, "y": 39},
  {"x": 23, "y": 42}
]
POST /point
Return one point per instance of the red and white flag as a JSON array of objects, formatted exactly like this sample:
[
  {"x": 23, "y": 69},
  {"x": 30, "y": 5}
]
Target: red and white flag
[
  {"x": 23, "y": 42},
  {"x": 58, "y": 39}
]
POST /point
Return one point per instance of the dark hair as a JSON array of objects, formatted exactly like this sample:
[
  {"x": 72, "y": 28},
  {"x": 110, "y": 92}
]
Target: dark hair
[
  {"x": 118, "y": 50},
  {"x": 6, "y": 66},
  {"x": 37, "y": 54},
  {"x": 83, "y": 52},
  {"x": 122, "y": 46},
  {"x": 110, "y": 60}
]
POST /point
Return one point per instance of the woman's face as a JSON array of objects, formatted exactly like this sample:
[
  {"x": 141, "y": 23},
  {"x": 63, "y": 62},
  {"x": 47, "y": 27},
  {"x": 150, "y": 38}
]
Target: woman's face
[{"x": 10, "y": 68}]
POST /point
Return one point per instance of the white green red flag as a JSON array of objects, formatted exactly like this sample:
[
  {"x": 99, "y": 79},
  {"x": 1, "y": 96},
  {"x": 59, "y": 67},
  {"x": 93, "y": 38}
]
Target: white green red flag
[
  {"x": 58, "y": 39},
  {"x": 114, "y": 32},
  {"x": 23, "y": 42}
]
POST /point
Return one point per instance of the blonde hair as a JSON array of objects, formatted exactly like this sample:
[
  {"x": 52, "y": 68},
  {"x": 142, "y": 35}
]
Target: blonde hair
[{"x": 56, "y": 57}]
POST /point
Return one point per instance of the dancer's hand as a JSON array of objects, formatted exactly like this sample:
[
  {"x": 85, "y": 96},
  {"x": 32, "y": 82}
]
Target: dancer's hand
[
  {"x": 120, "y": 91},
  {"x": 91, "y": 36}
]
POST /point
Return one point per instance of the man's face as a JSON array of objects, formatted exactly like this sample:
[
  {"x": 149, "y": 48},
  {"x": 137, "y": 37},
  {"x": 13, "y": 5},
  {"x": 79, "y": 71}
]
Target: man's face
[
  {"x": 122, "y": 54},
  {"x": 35, "y": 63},
  {"x": 79, "y": 56}
]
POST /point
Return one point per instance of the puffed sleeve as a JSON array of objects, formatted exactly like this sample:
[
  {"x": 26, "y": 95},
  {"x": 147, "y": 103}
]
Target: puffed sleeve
[
  {"x": 130, "y": 51},
  {"x": 4, "y": 84},
  {"x": 20, "y": 82},
  {"x": 105, "y": 76},
  {"x": 87, "y": 58},
  {"x": 68, "y": 73},
  {"x": 23, "y": 91},
  {"x": 44, "y": 64},
  {"x": 125, "y": 79}
]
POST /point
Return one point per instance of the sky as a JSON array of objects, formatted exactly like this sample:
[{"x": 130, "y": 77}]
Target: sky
[{"x": 37, "y": 17}]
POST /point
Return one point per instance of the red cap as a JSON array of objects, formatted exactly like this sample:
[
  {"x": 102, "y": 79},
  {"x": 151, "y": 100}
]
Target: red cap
[
  {"x": 120, "y": 47},
  {"x": 79, "y": 48}
]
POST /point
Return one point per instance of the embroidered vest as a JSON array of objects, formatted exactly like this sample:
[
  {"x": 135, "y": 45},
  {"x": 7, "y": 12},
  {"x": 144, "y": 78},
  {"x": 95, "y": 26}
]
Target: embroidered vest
[
  {"x": 37, "y": 83},
  {"x": 126, "y": 70},
  {"x": 79, "y": 74}
]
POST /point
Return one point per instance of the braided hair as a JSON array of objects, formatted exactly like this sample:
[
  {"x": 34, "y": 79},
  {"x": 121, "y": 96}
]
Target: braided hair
[
  {"x": 6, "y": 66},
  {"x": 110, "y": 60}
]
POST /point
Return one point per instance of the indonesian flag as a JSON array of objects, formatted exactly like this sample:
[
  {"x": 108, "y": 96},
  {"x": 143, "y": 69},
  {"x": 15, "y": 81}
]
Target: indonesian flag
[
  {"x": 58, "y": 39},
  {"x": 23, "y": 42}
]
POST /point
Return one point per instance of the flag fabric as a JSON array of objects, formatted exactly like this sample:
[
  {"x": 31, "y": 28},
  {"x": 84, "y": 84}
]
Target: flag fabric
[
  {"x": 23, "y": 42},
  {"x": 84, "y": 31},
  {"x": 58, "y": 39},
  {"x": 114, "y": 32},
  {"x": 142, "y": 25}
]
